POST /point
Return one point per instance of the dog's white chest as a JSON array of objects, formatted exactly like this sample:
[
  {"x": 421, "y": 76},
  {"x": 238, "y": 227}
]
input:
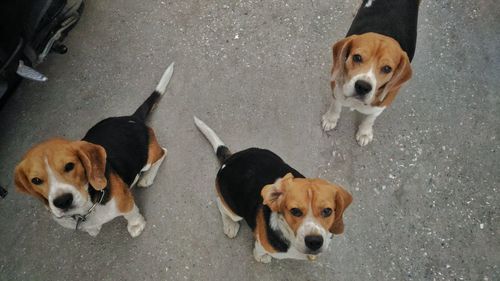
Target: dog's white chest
[
  {"x": 356, "y": 104},
  {"x": 101, "y": 215}
]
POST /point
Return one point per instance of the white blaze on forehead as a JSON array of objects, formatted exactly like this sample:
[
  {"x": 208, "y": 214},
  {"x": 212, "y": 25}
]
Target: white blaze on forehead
[
  {"x": 57, "y": 188},
  {"x": 311, "y": 226}
]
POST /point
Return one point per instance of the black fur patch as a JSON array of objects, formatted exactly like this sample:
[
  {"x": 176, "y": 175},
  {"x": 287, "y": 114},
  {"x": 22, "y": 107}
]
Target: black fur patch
[
  {"x": 393, "y": 18},
  {"x": 147, "y": 106},
  {"x": 223, "y": 153},
  {"x": 242, "y": 178},
  {"x": 126, "y": 141}
]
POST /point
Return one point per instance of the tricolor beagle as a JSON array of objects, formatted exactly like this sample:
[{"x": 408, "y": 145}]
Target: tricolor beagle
[
  {"x": 85, "y": 184},
  {"x": 372, "y": 63},
  {"x": 291, "y": 216}
]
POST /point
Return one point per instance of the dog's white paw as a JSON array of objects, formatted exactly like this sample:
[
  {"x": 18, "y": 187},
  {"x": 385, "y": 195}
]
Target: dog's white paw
[
  {"x": 364, "y": 137},
  {"x": 263, "y": 258},
  {"x": 93, "y": 231},
  {"x": 231, "y": 228},
  {"x": 136, "y": 227},
  {"x": 146, "y": 180},
  {"x": 328, "y": 122}
]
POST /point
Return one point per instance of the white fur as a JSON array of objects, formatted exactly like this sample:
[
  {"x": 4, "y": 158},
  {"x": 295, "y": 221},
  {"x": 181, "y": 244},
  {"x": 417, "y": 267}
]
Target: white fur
[
  {"x": 150, "y": 171},
  {"x": 81, "y": 204},
  {"x": 230, "y": 221},
  {"x": 211, "y": 136},
  {"x": 165, "y": 79},
  {"x": 369, "y": 3},
  {"x": 57, "y": 188},
  {"x": 310, "y": 226},
  {"x": 135, "y": 222},
  {"x": 297, "y": 248},
  {"x": 344, "y": 96}
]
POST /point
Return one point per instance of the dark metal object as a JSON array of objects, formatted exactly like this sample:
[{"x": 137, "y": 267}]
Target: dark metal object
[{"x": 3, "y": 192}]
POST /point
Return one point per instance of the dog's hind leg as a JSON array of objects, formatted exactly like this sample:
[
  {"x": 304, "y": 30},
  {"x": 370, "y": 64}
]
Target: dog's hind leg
[
  {"x": 156, "y": 155},
  {"x": 230, "y": 220}
]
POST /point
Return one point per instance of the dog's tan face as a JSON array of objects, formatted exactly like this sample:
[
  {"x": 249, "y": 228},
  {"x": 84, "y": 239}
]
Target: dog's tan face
[
  {"x": 369, "y": 67},
  {"x": 312, "y": 209},
  {"x": 58, "y": 172}
]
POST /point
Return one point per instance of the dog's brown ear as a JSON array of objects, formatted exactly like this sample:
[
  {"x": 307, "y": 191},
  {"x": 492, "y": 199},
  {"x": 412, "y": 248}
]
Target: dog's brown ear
[
  {"x": 273, "y": 193},
  {"x": 23, "y": 184},
  {"x": 21, "y": 180},
  {"x": 402, "y": 74},
  {"x": 342, "y": 200},
  {"x": 93, "y": 158},
  {"x": 341, "y": 51}
]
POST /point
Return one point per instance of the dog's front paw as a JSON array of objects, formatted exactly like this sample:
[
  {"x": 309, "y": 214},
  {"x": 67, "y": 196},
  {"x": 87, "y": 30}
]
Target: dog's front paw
[
  {"x": 260, "y": 257},
  {"x": 93, "y": 231},
  {"x": 231, "y": 228},
  {"x": 328, "y": 122},
  {"x": 136, "y": 227},
  {"x": 364, "y": 137}
]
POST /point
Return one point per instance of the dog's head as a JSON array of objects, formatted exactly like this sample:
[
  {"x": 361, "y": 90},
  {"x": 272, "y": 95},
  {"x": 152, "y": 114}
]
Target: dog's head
[
  {"x": 58, "y": 172},
  {"x": 370, "y": 67},
  {"x": 307, "y": 211}
]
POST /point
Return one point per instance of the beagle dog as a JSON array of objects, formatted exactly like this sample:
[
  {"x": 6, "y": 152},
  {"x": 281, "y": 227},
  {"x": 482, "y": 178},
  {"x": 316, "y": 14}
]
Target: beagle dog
[
  {"x": 291, "y": 216},
  {"x": 86, "y": 183},
  {"x": 372, "y": 63}
]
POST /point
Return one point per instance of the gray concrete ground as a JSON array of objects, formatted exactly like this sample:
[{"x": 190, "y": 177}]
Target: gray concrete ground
[{"x": 426, "y": 191}]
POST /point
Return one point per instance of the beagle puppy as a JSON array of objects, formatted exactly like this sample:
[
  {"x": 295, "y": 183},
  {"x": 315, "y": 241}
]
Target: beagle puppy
[
  {"x": 86, "y": 183},
  {"x": 372, "y": 63},
  {"x": 291, "y": 216}
]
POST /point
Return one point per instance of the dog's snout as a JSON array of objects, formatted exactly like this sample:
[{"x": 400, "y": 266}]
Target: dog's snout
[
  {"x": 314, "y": 242},
  {"x": 63, "y": 201},
  {"x": 362, "y": 87}
]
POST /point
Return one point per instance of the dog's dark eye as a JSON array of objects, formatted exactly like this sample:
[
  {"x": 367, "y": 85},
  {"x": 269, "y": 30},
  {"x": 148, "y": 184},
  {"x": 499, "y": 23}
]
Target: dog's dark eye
[
  {"x": 326, "y": 212},
  {"x": 36, "y": 181},
  {"x": 296, "y": 212},
  {"x": 357, "y": 58},
  {"x": 386, "y": 69},
  {"x": 69, "y": 166}
]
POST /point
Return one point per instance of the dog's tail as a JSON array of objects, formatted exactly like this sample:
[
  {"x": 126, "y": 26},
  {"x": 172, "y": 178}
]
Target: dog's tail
[
  {"x": 220, "y": 148},
  {"x": 149, "y": 104}
]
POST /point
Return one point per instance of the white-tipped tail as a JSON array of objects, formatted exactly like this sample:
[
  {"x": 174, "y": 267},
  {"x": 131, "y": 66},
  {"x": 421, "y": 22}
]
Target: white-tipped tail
[
  {"x": 165, "y": 78},
  {"x": 211, "y": 136}
]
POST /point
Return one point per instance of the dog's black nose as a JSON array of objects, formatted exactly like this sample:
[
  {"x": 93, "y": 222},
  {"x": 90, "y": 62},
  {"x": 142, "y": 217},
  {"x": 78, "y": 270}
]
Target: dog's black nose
[
  {"x": 314, "y": 242},
  {"x": 64, "y": 201},
  {"x": 362, "y": 87}
]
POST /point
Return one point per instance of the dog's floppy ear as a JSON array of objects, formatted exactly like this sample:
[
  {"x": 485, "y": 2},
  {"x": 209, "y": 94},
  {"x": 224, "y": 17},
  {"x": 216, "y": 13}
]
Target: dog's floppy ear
[
  {"x": 93, "y": 158},
  {"x": 21, "y": 180},
  {"x": 341, "y": 51},
  {"x": 273, "y": 193},
  {"x": 402, "y": 74},
  {"x": 23, "y": 184},
  {"x": 342, "y": 200}
]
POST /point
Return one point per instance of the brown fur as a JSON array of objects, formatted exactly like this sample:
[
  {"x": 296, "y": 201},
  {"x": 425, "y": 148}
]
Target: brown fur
[
  {"x": 89, "y": 166},
  {"x": 121, "y": 193},
  {"x": 377, "y": 51},
  {"x": 155, "y": 151},
  {"x": 89, "y": 160},
  {"x": 305, "y": 194},
  {"x": 260, "y": 232}
]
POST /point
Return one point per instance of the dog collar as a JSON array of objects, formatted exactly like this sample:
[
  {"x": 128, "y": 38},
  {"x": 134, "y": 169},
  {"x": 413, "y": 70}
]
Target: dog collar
[{"x": 81, "y": 218}]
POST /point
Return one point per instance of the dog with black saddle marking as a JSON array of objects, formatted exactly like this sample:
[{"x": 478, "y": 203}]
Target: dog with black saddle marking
[
  {"x": 372, "y": 63},
  {"x": 86, "y": 183},
  {"x": 291, "y": 216}
]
